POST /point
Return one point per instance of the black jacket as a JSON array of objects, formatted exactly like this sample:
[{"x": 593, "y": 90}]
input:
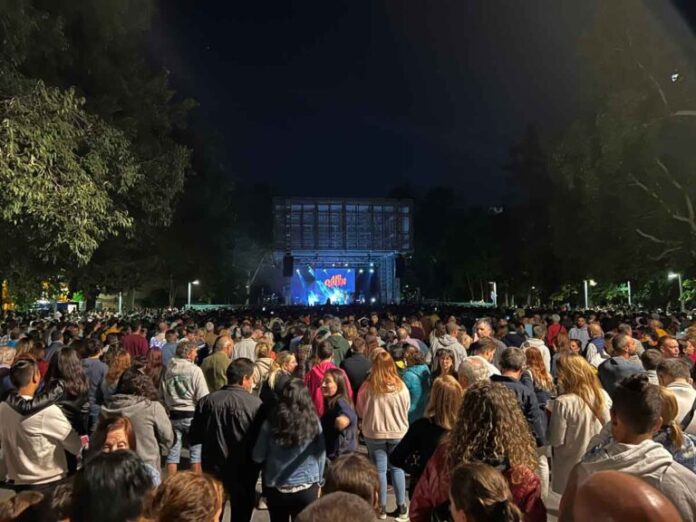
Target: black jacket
[
  {"x": 529, "y": 404},
  {"x": 357, "y": 366},
  {"x": 227, "y": 424},
  {"x": 75, "y": 409}
]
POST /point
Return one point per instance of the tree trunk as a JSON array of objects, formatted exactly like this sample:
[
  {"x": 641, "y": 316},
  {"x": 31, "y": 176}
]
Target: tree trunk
[
  {"x": 471, "y": 287},
  {"x": 172, "y": 291}
]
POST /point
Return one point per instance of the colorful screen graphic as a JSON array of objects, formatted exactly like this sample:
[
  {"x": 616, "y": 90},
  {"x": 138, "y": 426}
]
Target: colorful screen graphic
[{"x": 312, "y": 286}]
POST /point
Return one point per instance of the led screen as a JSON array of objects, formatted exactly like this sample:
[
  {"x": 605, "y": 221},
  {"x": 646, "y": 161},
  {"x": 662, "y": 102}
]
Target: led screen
[{"x": 316, "y": 286}]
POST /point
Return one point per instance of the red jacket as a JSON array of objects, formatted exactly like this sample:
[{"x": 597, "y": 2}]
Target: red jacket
[
  {"x": 313, "y": 381},
  {"x": 433, "y": 489},
  {"x": 552, "y": 333}
]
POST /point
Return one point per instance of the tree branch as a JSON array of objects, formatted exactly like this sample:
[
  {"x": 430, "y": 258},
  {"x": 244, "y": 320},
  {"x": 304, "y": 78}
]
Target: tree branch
[
  {"x": 655, "y": 239},
  {"x": 652, "y": 79},
  {"x": 665, "y": 253}
]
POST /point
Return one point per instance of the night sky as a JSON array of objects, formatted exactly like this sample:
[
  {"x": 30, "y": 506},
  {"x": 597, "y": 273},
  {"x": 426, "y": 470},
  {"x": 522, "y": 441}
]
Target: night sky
[{"x": 354, "y": 98}]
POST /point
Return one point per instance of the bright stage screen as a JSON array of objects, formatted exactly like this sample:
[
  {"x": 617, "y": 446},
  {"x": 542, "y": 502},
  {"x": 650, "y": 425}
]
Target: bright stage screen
[{"x": 312, "y": 286}]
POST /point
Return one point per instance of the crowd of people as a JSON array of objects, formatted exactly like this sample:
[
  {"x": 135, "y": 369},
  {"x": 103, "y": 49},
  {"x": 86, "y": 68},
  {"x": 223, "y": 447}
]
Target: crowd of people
[{"x": 319, "y": 414}]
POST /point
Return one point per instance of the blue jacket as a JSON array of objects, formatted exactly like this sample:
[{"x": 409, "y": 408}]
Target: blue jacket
[
  {"x": 293, "y": 466},
  {"x": 529, "y": 404},
  {"x": 417, "y": 381}
]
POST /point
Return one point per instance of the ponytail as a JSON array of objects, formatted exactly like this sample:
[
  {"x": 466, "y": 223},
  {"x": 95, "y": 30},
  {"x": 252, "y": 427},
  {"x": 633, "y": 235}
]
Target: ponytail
[
  {"x": 676, "y": 434},
  {"x": 505, "y": 511}
]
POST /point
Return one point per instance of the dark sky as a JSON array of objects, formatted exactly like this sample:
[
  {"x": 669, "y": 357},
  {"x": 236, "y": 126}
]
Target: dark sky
[{"x": 355, "y": 97}]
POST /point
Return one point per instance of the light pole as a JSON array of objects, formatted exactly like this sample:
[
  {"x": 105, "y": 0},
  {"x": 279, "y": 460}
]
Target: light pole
[
  {"x": 120, "y": 303},
  {"x": 586, "y": 284},
  {"x": 630, "y": 300},
  {"x": 678, "y": 277},
  {"x": 494, "y": 293},
  {"x": 196, "y": 282}
]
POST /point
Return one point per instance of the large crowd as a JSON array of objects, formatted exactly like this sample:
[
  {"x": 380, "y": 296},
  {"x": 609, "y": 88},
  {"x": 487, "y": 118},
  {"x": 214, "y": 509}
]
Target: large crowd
[{"x": 319, "y": 414}]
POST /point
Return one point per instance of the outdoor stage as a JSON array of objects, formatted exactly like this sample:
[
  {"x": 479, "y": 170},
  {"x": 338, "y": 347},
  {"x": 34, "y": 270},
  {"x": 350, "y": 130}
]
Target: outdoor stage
[{"x": 342, "y": 250}]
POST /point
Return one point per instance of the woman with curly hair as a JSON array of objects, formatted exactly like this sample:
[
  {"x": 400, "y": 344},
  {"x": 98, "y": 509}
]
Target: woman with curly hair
[
  {"x": 578, "y": 414},
  {"x": 291, "y": 448},
  {"x": 490, "y": 429}
]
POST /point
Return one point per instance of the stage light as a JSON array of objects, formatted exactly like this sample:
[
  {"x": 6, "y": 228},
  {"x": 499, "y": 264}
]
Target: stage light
[
  {"x": 345, "y": 265},
  {"x": 373, "y": 300},
  {"x": 360, "y": 271},
  {"x": 372, "y": 264},
  {"x": 372, "y": 270}
]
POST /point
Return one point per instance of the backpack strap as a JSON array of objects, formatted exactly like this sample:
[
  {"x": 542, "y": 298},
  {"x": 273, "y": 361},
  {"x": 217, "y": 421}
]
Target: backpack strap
[{"x": 688, "y": 417}]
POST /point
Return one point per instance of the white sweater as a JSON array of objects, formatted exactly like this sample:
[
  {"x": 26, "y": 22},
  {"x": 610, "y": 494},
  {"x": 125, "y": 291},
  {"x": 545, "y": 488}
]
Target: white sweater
[{"x": 34, "y": 446}]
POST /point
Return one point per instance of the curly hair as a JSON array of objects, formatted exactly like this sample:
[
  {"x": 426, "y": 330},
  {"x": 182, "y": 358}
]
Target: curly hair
[
  {"x": 491, "y": 429},
  {"x": 295, "y": 420}
]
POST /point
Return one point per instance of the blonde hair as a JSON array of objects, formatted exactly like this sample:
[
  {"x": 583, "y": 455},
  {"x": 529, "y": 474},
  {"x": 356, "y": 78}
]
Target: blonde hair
[
  {"x": 445, "y": 398},
  {"x": 491, "y": 428},
  {"x": 281, "y": 360},
  {"x": 595, "y": 330},
  {"x": 384, "y": 378},
  {"x": 263, "y": 349},
  {"x": 670, "y": 410},
  {"x": 576, "y": 376}
]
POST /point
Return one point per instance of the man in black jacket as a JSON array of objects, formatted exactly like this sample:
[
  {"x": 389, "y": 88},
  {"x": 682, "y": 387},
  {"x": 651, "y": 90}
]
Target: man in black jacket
[
  {"x": 357, "y": 366},
  {"x": 512, "y": 363},
  {"x": 227, "y": 423}
]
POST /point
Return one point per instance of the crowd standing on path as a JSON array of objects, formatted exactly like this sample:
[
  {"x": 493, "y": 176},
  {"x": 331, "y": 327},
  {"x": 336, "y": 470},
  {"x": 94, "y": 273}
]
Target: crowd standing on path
[{"x": 468, "y": 417}]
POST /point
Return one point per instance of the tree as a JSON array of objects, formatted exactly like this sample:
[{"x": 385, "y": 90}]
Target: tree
[{"x": 623, "y": 171}]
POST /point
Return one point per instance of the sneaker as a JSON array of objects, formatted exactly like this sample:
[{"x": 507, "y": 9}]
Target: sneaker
[
  {"x": 400, "y": 514},
  {"x": 382, "y": 513}
]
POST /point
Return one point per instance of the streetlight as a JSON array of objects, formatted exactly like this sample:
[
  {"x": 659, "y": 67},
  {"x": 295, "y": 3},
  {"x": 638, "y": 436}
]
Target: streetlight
[
  {"x": 586, "y": 284},
  {"x": 673, "y": 275},
  {"x": 196, "y": 282}
]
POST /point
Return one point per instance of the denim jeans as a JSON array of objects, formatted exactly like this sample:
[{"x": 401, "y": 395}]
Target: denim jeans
[
  {"x": 379, "y": 451},
  {"x": 181, "y": 429}
]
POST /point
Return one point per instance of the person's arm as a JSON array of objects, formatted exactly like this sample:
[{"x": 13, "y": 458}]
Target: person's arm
[
  {"x": 534, "y": 416},
  {"x": 163, "y": 426},
  {"x": 200, "y": 385},
  {"x": 362, "y": 398},
  {"x": 56, "y": 426},
  {"x": 38, "y": 402},
  {"x": 260, "y": 450},
  {"x": 558, "y": 425}
]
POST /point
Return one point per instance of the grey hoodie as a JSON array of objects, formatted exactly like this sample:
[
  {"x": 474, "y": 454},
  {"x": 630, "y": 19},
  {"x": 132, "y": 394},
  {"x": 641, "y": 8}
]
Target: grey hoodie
[
  {"x": 183, "y": 385},
  {"x": 153, "y": 430},
  {"x": 651, "y": 462},
  {"x": 447, "y": 342}
]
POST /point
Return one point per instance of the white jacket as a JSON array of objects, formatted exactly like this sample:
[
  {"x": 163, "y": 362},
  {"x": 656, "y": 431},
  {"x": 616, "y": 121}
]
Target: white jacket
[{"x": 686, "y": 395}]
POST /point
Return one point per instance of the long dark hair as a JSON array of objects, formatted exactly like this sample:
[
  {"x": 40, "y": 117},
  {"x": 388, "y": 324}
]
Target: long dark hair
[
  {"x": 295, "y": 420},
  {"x": 65, "y": 366},
  {"x": 341, "y": 388}
]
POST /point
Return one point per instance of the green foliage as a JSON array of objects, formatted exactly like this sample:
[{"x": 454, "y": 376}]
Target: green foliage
[{"x": 64, "y": 175}]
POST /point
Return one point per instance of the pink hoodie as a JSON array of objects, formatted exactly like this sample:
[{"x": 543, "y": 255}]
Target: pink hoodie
[{"x": 313, "y": 381}]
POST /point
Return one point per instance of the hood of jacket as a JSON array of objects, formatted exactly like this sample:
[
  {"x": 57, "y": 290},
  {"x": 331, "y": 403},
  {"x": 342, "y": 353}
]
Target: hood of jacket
[
  {"x": 265, "y": 363},
  {"x": 648, "y": 459},
  {"x": 447, "y": 340},
  {"x": 126, "y": 405}
]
